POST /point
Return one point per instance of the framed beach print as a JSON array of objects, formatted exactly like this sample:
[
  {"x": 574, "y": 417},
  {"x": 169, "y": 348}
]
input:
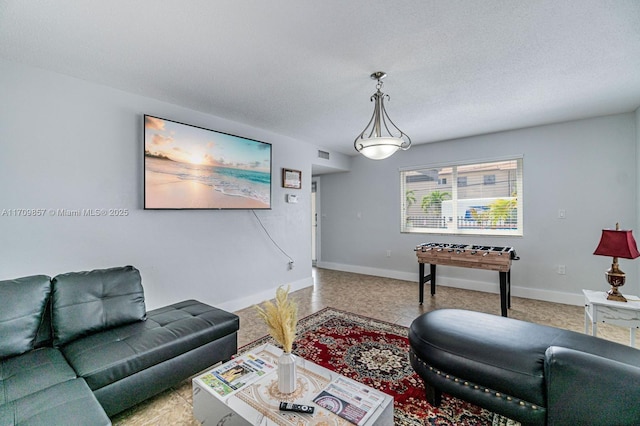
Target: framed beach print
[
  {"x": 291, "y": 178},
  {"x": 190, "y": 167}
]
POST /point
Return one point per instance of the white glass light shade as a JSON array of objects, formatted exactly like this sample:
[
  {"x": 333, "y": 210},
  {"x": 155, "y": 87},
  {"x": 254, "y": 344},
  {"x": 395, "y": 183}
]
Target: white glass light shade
[
  {"x": 381, "y": 138},
  {"x": 379, "y": 148}
]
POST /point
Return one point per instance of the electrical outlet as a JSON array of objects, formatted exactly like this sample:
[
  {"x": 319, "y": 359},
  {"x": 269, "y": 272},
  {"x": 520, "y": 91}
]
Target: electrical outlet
[
  {"x": 388, "y": 253},
  {"x": 290, "y": 264},
  {"x": 562, "y": 269}
]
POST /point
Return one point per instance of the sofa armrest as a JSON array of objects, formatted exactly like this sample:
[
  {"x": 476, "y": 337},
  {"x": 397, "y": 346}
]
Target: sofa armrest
[{"x": 588, "y": 389}]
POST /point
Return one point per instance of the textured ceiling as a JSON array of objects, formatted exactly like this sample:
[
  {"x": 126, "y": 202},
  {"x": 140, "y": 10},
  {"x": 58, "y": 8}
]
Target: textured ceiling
[{"x": 301, "y": 68}]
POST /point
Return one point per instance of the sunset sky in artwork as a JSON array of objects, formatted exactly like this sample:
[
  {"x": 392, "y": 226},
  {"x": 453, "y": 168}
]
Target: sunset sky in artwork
[{"x": 193, "y": 145}]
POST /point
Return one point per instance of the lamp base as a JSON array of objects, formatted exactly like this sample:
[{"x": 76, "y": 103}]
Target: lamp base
[
  {"x": 615, "y": 278},
  {"x": 614, "y": 294}
]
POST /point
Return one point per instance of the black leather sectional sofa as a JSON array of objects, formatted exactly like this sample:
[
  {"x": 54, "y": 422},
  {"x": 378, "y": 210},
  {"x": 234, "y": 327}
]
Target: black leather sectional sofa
[
  {"x": 81, "y": 347},
  {"x": 528, "y": 372}
]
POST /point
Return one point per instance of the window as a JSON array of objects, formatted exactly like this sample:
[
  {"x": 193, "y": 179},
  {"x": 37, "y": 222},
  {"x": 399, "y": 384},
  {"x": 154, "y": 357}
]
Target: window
[{"x": 486, "y": 198}]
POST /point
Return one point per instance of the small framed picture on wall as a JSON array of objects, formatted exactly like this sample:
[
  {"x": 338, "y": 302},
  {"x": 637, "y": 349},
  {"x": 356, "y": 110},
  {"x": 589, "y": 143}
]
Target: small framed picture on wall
[{"x": 291, "y": 178}]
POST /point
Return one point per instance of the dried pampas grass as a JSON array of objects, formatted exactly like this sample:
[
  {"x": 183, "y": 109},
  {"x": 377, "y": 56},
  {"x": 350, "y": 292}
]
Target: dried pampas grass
[{"x": 281, "y": 318}]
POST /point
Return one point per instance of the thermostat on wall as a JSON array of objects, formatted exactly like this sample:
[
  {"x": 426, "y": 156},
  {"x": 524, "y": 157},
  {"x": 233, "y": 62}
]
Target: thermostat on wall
[{"x": 292, "y": 198}]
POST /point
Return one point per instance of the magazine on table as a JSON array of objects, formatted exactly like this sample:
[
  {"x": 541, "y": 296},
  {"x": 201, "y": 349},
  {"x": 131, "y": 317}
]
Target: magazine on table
[
  {"x": 350, "y": 400},
  {"x": 237, "y": 373}
]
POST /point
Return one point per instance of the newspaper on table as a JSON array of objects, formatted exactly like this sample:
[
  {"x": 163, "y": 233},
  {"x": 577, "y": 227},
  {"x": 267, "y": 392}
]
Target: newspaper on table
[
  {"x": 237, "y": 373},
  {"x": 350, "y": 400}
]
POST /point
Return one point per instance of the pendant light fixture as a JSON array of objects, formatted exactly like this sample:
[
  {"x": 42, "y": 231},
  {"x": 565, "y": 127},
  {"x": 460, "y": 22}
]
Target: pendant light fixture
[{"x": 381, "y": 138}]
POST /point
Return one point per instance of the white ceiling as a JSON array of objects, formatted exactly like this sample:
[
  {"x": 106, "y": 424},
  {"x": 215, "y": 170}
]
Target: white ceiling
[{"x": 301, "y": 68}]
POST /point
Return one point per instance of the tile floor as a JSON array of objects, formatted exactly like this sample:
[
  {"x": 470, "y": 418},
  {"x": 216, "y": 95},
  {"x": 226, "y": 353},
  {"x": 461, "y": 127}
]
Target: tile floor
[{"x": 382, "y": 298}]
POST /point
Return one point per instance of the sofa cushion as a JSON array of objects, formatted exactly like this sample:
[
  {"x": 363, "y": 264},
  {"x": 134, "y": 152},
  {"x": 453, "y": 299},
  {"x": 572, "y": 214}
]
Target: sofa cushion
[
  {"x": 67, "y": 403},
  {"x": 23, "y": 305},
  {"x": 92, "y": 301},
  {"x": 31, "y": 372},
  {"x": 108, "y": 356}
]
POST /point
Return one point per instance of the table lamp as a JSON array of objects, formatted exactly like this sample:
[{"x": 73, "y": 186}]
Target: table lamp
[{"x": 616, "y": 243}]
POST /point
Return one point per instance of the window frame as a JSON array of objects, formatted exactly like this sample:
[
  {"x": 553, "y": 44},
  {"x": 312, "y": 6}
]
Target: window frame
[{"x": 454, "y": 229}]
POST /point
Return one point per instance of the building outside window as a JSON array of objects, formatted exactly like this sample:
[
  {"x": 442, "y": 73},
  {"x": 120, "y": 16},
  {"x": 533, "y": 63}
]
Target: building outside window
[
  {"x": 486, "y": 198},
  {"x": 489, "y": 179}
]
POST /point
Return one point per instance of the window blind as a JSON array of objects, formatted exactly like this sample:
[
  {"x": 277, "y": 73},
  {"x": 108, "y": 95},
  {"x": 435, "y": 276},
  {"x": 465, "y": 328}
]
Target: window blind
[{"x": 483, "y": 198}]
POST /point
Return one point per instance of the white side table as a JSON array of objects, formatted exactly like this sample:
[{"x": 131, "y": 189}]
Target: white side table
[{"x": 598, "y": 309}]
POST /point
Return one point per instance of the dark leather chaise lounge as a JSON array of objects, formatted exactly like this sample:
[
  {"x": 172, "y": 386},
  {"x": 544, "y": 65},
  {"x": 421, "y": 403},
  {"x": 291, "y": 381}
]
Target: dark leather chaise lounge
[{"x": 528, "y": 372}]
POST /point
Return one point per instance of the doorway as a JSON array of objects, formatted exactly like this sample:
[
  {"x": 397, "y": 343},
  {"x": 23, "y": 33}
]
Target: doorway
[{"x": 315, "y": 207}]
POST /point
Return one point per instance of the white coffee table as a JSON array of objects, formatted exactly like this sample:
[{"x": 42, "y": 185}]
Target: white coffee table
[{"x": 257, "y": 403}]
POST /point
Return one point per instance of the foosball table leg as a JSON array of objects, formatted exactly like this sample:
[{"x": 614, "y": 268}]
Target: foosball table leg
[
  {"x": 423, "y": 279},
  {"x": 432, "y": 269},
  {"x": 503, "y": 293},
  {"x": 509, "y": 289}
]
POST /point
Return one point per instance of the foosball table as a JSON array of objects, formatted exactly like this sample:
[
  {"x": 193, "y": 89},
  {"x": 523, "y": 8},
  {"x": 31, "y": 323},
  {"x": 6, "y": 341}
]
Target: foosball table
[{"x": 467, "y": 256}]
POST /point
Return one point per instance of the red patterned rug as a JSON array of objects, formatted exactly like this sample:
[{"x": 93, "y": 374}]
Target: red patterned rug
[{"x": 376, "y": 353}]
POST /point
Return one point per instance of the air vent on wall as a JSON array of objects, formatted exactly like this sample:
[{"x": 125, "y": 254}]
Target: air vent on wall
[{"x": 323, "y": 154}]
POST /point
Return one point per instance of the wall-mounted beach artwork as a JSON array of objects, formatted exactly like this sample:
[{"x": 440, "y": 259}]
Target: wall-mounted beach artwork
[{"x": 190, "y": 167}]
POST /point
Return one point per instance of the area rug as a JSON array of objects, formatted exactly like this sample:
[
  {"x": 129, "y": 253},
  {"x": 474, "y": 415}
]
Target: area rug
[{"x": 376, "y": 353}]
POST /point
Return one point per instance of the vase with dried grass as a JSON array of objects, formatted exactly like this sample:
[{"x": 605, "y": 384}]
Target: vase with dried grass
[{"x": 281, "y": 319}]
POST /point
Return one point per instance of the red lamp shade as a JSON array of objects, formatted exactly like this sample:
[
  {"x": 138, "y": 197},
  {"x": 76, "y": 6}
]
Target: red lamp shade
[{"x": 617, "y": 243}]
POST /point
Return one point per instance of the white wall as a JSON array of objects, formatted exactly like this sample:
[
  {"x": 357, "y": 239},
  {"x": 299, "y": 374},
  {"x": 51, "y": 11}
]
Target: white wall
[
  {"x": 69, "y": 144},
  {"x": 637, "y": 228},
  {"x": 586, "y": 167}
]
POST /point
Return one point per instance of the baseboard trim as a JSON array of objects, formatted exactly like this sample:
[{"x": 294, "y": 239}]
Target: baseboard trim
[
  {"x": 484, "y": 286},
  {"x": 257, "y": 298},
  {"x": 364, "y": 270}
]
